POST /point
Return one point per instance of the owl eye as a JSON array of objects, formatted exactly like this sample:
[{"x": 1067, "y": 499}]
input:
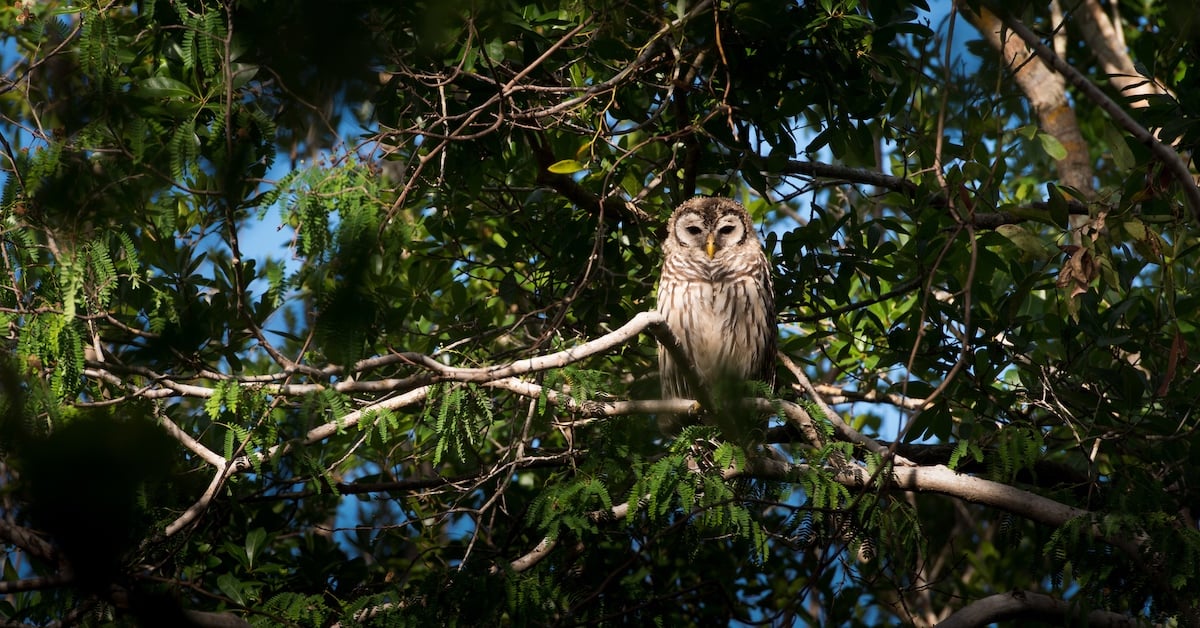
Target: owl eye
[
  {"x": 726, "y": 230},
  {"x": 694, "y": 230}
]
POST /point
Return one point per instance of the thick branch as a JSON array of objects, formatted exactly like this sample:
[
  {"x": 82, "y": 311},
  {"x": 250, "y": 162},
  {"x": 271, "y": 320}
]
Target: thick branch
[
  {"x": 206, "y": 454},
  {"x": 1027, "y": 605},
  {"x": 27, "y": 540},
  {"x": 944, "y": 481},
  {"x": 850, "y": 174},
  {"x": 34, "y": 584},
  {"x": 560, "y": 359},
  {"x": 1047, "y": 92},
  {"x": 195, "y": 510},
  {"x": 543, "y": 549},
  {"x": 1106, "y": 44},
  {"x": 1174, "y": 164}
]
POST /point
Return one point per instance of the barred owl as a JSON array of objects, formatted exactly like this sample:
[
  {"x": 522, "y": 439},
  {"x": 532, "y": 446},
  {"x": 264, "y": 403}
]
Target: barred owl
[{"x": 715, "y": 294}]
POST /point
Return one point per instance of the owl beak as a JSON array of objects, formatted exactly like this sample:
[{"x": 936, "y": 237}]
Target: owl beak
[{"x": 710, "y": 247}]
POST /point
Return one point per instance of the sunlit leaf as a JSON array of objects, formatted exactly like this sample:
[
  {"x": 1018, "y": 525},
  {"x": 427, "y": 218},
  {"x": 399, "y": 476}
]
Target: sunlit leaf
[{"x": 566, "y": 166}]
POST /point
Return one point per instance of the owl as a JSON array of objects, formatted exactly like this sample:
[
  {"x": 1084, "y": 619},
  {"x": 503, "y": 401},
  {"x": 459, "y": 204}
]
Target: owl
[{"x": 716, "y": 296}]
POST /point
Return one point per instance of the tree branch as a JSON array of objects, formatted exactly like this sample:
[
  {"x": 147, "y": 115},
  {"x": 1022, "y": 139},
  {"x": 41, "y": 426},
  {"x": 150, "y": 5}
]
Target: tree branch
[
  {"x": 847, "y": 433},
  {"x": 617, "y": 337},
  {"x": 614, "y": 209},
  {"x": 1028, "y": 605},
  {"x": 1105, "y": 42},
  {"x": 195, "y": 510},
  {"x": 945, "y": 481},
  {"x": 34, "y": 584},
  {"x": 1174, "y": 164},
  {"x": 27, "y": 540},
  {"x": 543, "y": 549},
  {"x": 1046, "y": 92},
  {"x": 892, "y": 183},
  {"x": 850, "y": 174}
]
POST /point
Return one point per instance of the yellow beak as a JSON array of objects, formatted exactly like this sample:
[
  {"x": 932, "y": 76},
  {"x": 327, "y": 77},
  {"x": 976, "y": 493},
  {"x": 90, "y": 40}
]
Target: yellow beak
[{"x": 710, "y": 247}]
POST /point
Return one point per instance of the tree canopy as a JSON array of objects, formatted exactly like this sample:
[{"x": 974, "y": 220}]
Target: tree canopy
[{"x": 332, "y": 313}]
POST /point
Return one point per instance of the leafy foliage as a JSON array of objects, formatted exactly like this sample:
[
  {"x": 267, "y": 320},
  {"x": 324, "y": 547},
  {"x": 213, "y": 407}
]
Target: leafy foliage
[{"x": 317, "y": 314}]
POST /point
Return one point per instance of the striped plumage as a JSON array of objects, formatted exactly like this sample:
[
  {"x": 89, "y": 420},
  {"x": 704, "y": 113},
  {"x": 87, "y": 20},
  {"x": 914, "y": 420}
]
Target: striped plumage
[{"x": 716, "y": 295}]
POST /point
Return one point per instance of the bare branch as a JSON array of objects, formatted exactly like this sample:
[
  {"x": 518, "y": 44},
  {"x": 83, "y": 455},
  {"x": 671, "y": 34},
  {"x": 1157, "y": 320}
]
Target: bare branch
[
  {"x": 850, "y": 174},
  {"x": 194, "y": 511},
  {"x": 839, "y": 394},
  {"x": 34, "y": 584},
  {"x": 560, "y": 359},
  {"x": 1028, "y": 605},
  {"x": 165, "y": 386},
  {"x": 543, "y": 548},
  {"x": 27, "y": 540},
  {"x": 945, "y": 481},
  {"x": 1105, "y": 42},
  {"x": 206, "y": 454}
]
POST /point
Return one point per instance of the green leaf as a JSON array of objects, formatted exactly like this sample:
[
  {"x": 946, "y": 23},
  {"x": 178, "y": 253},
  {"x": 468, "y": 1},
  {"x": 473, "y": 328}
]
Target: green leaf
[
  {"x": 232, "y": 588},
  {"x": 163, "y": 87},
  {"x": 1060, "y": 211},
  {"x": 566, "y": 166},
  {"x": 1122, "y": 157},
  {"x": 255, "y": 541},
  {"x": 1052, "y": 147},
  {"x": 1032, "y": 246}
]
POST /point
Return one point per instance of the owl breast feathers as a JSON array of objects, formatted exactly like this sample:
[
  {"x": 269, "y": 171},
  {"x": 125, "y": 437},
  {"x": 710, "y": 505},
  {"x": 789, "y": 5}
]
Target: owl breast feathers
[{"x": 716, "y": 295}]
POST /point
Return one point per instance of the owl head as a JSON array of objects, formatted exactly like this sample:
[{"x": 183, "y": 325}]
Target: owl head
[{"x": 710, "y": 228}]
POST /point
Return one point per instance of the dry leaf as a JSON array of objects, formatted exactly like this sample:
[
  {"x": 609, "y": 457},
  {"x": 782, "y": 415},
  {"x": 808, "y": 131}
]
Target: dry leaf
[{"x": 1079, "y": 270}]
